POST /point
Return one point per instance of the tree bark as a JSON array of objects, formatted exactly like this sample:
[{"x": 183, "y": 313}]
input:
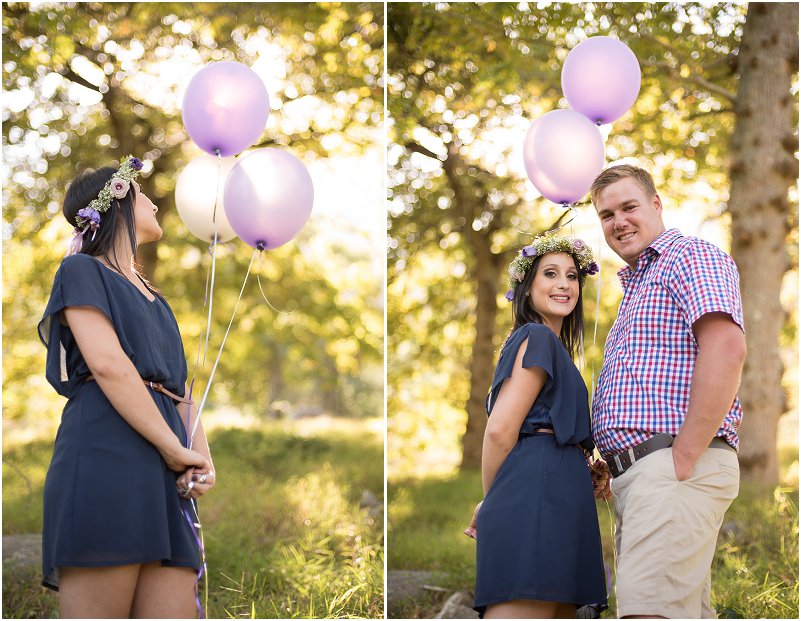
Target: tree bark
[
  {"x": 481, "y": 363},
  {"x": 469, "y": 203},
  {"x": 762, "y": 169}
]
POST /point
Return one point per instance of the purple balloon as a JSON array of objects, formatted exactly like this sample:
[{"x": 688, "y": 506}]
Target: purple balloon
[
  {"x": 563, "y": 153},
  {"x": 225, "y": 108},
  {"x": 268, "y": 197},
  {"x": 601, "y": 79}
]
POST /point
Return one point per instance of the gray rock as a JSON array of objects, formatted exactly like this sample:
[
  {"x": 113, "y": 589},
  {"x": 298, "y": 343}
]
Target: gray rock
[
  {"x": 22, "y": 551},
  {"x": 375, "y": 508},
  {"x": 458, "y": 606},
  {"x": 406, "y": 584}
]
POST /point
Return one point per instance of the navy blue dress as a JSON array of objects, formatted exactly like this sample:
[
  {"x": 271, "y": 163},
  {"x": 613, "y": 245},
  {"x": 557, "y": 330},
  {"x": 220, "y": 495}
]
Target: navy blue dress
[
  {"x": 109, "y": 498},
  {"x": 537, "y": 531}
]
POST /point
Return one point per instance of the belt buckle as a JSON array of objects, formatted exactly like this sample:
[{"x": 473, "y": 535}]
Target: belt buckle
[{"x": 619, "y": 465}]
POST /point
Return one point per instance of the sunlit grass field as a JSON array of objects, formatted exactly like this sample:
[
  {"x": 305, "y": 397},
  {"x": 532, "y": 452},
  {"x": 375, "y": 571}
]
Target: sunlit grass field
[
  {"x": 285, "y": 535},
  {"x": 755, "y": 573}
]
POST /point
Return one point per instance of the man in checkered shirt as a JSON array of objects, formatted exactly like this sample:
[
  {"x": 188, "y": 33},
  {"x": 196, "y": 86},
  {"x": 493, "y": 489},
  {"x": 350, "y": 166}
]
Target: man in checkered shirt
[{"x": 665, "y": 410}]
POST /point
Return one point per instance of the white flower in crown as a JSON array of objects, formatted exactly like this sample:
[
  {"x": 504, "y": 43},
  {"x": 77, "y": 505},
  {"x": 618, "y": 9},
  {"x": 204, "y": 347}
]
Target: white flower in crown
[{"x": 119, "y": 187}]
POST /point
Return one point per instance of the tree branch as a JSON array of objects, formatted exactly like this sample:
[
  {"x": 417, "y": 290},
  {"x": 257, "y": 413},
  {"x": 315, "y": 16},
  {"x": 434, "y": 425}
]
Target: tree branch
[
  {"x": 697, "y": 115},
  {"x": 418, "y": 148},
  {"x": 67, "y": 72},
  {"x": 694, "y": 77}
]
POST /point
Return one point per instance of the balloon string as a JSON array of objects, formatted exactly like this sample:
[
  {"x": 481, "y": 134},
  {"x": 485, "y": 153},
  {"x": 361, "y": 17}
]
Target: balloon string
[
  {"x": 211, "y": 296},
  {"x": 208, "y": 295},
  {"x": 258, "y": 280},
  {"x": 595, "y": 351},
  {"x": 213, "y": 254},
  {"x": 561, "y": 226},
  {"x": 197, "y": 533},
  {"x": 597, "y": 312},
  {"x": 571, "y": 208},
  {"x": 197, "y": 356},
  {"x": 217, "y": 190},
  {"x": 219, "y": 353}
]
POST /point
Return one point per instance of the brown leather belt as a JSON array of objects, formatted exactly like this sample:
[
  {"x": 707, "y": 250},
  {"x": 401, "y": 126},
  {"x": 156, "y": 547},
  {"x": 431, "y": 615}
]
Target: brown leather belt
[
  {"x": 536, "y": 432},
  {"x": 618, "y": 464},
  {"x": 155, "y": 386}
]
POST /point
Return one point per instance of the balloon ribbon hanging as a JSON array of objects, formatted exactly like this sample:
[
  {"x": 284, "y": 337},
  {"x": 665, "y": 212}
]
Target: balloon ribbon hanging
[
  {"x": 208, "y": 298},
  {"x": 222, "y": 346}
]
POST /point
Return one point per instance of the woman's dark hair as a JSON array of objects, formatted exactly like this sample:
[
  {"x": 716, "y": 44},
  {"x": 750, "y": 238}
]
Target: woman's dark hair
[
  {"x": 83, "y": 189},
  {"x": 572, "y": 333}
]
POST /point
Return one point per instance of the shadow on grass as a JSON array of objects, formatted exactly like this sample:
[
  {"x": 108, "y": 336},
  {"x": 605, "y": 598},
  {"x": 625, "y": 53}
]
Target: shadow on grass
[
  {"x": 283, "y": 530},
  {"x": 755, "y": 573}
]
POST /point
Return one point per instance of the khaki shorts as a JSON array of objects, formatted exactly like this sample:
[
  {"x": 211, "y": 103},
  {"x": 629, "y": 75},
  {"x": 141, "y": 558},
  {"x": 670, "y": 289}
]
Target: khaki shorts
[{"x": 666, "y": 532}]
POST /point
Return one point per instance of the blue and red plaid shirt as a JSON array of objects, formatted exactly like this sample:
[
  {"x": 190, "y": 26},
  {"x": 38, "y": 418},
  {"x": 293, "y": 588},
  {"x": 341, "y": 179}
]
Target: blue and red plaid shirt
[{"x": 644, "y": 384}]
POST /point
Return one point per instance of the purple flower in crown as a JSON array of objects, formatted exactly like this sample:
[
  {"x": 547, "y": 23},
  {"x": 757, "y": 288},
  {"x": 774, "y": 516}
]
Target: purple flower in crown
[
  {"x": 529, "y": 251},
  {"x": 119, "y": 187},
  {"x": 89, "y": 216},
  {"x": 136, "y": 163},
  {"x": 592, "y": 269},
  {"x": 579, "y": 245},
  {"x": 510, "y": 295}
]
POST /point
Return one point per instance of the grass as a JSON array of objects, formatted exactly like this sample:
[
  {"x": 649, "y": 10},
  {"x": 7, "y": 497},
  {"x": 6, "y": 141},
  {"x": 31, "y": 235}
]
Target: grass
[
  {"x": 755, "y": 572},
  {"x": 285, "y": 536}
]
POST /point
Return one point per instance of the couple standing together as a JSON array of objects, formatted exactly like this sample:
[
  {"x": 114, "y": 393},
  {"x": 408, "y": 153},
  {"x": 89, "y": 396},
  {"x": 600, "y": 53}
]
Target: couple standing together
[{"x": 664, "y": 418}]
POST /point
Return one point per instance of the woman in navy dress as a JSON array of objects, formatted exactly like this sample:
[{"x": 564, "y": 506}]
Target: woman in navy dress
[
  {"x": 117, "y": 539},
  {"x": 538, "y": 544}
]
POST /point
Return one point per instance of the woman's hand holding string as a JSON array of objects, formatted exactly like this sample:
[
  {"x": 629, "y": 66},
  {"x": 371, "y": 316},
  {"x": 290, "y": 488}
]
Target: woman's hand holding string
[{"x": 195, "y": 482}]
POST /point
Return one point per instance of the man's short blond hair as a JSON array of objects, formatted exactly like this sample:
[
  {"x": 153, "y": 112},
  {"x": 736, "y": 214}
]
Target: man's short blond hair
[{"x": 616, "y": 173}]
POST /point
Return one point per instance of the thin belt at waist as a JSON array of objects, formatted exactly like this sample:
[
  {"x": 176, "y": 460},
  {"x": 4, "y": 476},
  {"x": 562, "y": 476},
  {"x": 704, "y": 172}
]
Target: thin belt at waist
[
  {"x": 535, "y": 432},
  {"x": 155, "y": 386}
]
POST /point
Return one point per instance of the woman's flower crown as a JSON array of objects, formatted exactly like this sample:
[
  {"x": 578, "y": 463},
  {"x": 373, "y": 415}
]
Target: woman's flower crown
[
  {"x": 546, "y": 244},
  {"x": 117, "y": 187}
]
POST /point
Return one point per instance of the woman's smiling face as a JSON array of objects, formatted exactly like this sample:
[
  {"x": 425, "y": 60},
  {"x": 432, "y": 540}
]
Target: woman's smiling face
[{"x": 554, "y": 290}]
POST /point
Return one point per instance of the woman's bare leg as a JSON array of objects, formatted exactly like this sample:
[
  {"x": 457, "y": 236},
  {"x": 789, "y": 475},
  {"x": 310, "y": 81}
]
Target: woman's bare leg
[
  {"x": 523, "y": 609},
  {"x": 165, "y": 593},
  {"x": 97, "y": 592},
  {"x": 566, "y": 611}
]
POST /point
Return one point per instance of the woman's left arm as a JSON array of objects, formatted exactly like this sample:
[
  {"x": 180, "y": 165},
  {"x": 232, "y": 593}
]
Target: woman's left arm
[{"x": 197, "y": 480}]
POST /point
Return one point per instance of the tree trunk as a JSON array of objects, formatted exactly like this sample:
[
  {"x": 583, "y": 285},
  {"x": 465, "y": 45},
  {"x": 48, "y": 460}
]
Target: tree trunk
[
  {"x": 481, "y": 367},
  {"x": 762, "y": 169}
]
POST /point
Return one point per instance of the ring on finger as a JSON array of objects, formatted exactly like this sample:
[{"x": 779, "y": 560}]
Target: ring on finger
[{"x": 202, "y": 478}]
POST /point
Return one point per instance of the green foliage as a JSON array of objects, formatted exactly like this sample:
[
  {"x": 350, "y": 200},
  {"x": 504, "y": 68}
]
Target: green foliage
[
  {"x": 285, "y": 536},
  {"x": 464, "y": 81},
  {"x": 755, "y": 573},
  {"x": 88, "y": 82}
]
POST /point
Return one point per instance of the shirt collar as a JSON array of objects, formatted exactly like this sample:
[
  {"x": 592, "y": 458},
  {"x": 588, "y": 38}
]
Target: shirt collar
[{"x": 654, "y": 249}]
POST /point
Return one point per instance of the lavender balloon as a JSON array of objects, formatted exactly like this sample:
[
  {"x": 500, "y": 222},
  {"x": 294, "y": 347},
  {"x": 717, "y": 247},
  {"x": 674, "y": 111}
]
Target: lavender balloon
[
  {"x": 268, "y": 197},
  {"x": 225, "y": 108},
  {"x": 563, "y": 153},
  {"x": 601, "y": 79}
]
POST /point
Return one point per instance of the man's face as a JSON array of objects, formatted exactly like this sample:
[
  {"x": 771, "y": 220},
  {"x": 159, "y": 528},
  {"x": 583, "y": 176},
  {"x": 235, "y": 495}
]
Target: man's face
[{"x": 630, "y": 219}]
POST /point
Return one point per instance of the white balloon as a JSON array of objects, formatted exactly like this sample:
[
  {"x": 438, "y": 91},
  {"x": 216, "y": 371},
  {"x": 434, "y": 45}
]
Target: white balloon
[{"x": 195, "y": 197}]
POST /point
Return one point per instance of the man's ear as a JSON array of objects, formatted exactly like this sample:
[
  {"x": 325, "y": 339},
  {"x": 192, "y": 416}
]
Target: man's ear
[{"x": 657, "y": 203}]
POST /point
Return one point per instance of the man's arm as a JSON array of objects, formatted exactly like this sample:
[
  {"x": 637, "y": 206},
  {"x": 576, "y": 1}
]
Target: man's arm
[{"x": 721, "y": 354}]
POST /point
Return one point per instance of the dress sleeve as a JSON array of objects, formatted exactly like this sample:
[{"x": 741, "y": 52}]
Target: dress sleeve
[
  {"x": 708, "y": 283},
  {"x": 539, "y": 353},
  {"x": 78, "y": 282}
]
